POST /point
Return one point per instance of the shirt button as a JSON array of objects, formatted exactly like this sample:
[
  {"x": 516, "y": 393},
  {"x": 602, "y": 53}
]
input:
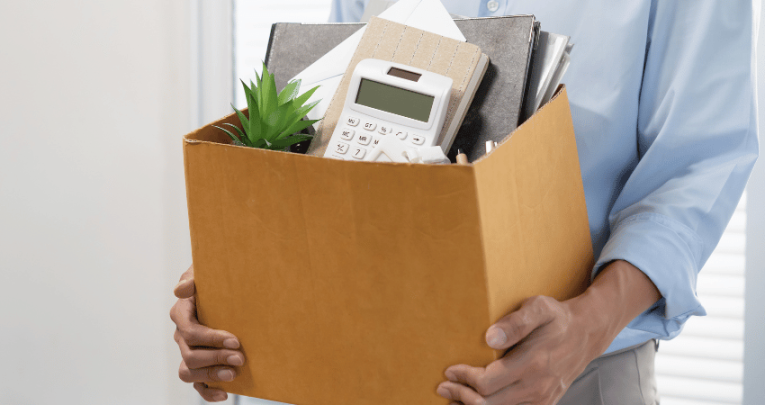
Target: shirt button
[{"x": 492, "y": 6}]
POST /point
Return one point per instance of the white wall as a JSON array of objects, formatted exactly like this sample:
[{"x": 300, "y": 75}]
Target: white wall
[{"x": 94, "y": 99}]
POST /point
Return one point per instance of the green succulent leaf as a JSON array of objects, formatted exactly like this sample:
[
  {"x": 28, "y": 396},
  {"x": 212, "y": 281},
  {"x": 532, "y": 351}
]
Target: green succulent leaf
[
  {"x": 255, "y": 94},
  {"x": 296, "y": 127},
  {"x": 242, "y": 136},
  {"x": 259, "y": 144},
  {"x": 272, "y": 128},
  {"x": 289, "y": 92},
  {"x": 272, "y": 120},
  {"x": 253, "y": 127},
  {"x": 249, "y": 94},
  {"x": 230, "y": 134},
  {"x": 302, "y": 111},
  {"x": 304, "y": 97},
  {"x": 242, "y": 118},
  {"x": 269, "y": 96}
]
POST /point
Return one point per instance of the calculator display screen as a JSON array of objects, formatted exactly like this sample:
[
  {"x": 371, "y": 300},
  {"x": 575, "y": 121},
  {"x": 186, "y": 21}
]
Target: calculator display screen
[{"x": 394, "y": 100}]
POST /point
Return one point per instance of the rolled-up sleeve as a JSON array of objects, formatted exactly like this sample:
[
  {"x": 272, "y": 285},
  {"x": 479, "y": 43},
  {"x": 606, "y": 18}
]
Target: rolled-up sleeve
[{"x": 697, "y": 143}]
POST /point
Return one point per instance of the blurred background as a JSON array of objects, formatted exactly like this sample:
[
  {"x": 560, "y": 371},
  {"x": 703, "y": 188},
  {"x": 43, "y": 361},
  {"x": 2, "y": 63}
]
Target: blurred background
[{"x": 94, "y": 99}]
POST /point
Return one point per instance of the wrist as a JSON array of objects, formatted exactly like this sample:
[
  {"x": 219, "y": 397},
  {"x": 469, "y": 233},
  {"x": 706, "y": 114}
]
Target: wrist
[
  {"x": 589, "y": 314},
  {"x": 619, "y": 293}
]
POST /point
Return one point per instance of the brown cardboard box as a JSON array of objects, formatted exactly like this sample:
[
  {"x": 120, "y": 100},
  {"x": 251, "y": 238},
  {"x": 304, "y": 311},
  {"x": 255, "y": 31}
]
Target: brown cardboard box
[{"x": 358, "y": 282}]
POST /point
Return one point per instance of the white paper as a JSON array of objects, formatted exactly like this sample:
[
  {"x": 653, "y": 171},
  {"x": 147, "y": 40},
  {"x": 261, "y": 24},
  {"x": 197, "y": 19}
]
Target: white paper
[
  {"x": 554, "y": 52},
  {"x": 327, "y": 72},
  {"x": 557, "y": 77}
]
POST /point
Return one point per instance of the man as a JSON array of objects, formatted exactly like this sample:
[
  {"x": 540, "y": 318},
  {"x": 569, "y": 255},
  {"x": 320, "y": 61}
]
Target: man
[{"x": 663, "y": 105}]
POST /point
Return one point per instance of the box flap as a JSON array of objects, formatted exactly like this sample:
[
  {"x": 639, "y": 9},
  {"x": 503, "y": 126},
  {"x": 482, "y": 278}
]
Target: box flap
[{"x": 533, "y": 212}]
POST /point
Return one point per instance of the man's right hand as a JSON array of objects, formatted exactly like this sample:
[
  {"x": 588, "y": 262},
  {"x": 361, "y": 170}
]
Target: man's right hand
[{"x": 208, "y": 354}]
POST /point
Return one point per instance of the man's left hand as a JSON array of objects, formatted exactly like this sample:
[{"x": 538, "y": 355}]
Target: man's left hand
[{"x": 550, "y": 345}]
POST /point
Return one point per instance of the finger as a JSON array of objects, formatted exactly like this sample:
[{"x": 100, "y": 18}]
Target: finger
[
  {"x": 458, "y": 392},
  {"x": 185, "y": 287},
  {"x": 195, "y": 334},
  {"x": 511, "y": 329},
  {"x": 210, "y": 394},
  {"x": 485, "y": 381},
  {"x": 184, "y": 311},
  {"x": 524, "y": 392},
  {"x": 206, "y": 374},
  {"x": 198, "y": 358}
]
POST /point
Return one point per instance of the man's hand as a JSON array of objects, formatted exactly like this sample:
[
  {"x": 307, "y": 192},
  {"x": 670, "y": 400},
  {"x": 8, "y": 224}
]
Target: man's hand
[
  {"x": 550, "y": 342},
  {"x": 208, "y": 354},
  {"x": 546, "y": 357}
]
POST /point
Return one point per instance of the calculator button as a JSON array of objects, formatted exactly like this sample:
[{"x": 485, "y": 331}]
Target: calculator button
[
  {"x": 418, "y": 139},
  {"x": 352, "y": 121},
  {"x": 385, "y": 129},
  {"x": 337, "y": 157},
  {"x": 370, "y": 126},
  {"x": 375, "y": 141},
  {"x": 401, "y": 135},
  {"x": 347, "y": 134},
  {"x": 364, "y": 139},
  {"x": 359, "y": 153},
  {"x": 341, "y": 148}
]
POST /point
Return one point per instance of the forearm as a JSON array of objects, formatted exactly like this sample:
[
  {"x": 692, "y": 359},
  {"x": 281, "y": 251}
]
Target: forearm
[{"x": 618, "y": 295}]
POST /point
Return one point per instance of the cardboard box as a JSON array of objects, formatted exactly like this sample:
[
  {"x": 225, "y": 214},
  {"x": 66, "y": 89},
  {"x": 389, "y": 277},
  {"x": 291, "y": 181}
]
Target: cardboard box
[{"x": 358, "y": 282}]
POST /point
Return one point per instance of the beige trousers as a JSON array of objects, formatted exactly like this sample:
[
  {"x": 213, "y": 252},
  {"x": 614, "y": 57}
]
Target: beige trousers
[{"x": 624, "y": 377}]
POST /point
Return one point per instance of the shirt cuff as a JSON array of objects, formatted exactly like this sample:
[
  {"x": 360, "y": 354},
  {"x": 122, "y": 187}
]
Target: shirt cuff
[{"x": 668, "y": 252}]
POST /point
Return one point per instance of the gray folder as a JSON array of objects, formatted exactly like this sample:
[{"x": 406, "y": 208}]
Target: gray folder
[{"x": 498, "y": 104}]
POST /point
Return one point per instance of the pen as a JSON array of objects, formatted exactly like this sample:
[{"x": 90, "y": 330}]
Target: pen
[{"x": 461, "y": 157}]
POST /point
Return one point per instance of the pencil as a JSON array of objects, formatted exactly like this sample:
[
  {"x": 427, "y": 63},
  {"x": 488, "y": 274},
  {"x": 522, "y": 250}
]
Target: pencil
[{"x": 461, "y": 158}]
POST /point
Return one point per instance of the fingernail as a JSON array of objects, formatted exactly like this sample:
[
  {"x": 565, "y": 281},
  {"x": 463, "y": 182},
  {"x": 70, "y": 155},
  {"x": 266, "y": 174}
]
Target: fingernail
[
  {"x": 235, "y": 360},
  {"x": 180, "y": 283},
  {"x": 450, "y": 375},
  {"x": 231, "y": 343},
  {"x": 226, "y": 375},
  {"x": 220, "y": 396},
  {"x": 444, "y": 392},
  {"x": 496, "y": 337}
]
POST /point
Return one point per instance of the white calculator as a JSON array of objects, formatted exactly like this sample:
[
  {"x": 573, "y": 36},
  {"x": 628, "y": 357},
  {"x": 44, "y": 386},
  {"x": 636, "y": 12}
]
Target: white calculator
[{"x": 387, "y": 99}]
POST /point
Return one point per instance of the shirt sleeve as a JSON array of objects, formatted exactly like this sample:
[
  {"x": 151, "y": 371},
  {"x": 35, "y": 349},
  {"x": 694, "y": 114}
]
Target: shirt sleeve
[
  {"x": 347, "y": 10},
  {"x": 697, "y": 143}
]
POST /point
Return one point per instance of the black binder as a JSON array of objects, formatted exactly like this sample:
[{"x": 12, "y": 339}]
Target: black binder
[{"x": 497, "y": 108}]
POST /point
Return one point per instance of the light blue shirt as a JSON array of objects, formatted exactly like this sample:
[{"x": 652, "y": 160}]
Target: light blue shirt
[{"x": 663, "y": 103}]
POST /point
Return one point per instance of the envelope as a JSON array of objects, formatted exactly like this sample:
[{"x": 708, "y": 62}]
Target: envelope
[{"x": 327, "y": 72}]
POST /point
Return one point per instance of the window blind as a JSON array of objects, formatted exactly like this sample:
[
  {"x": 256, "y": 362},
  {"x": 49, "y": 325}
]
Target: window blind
[{"x": 704, "y": 365}]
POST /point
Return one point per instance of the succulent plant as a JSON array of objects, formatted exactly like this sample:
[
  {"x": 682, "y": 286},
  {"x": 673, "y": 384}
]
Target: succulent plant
[{"x": 273, "y": 120}]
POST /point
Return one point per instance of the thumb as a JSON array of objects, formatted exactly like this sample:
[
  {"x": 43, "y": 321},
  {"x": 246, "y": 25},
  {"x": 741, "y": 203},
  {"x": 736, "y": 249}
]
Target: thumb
[
  {"x": 186, "y": 288},
  {"x": 511, "y": 329}
]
